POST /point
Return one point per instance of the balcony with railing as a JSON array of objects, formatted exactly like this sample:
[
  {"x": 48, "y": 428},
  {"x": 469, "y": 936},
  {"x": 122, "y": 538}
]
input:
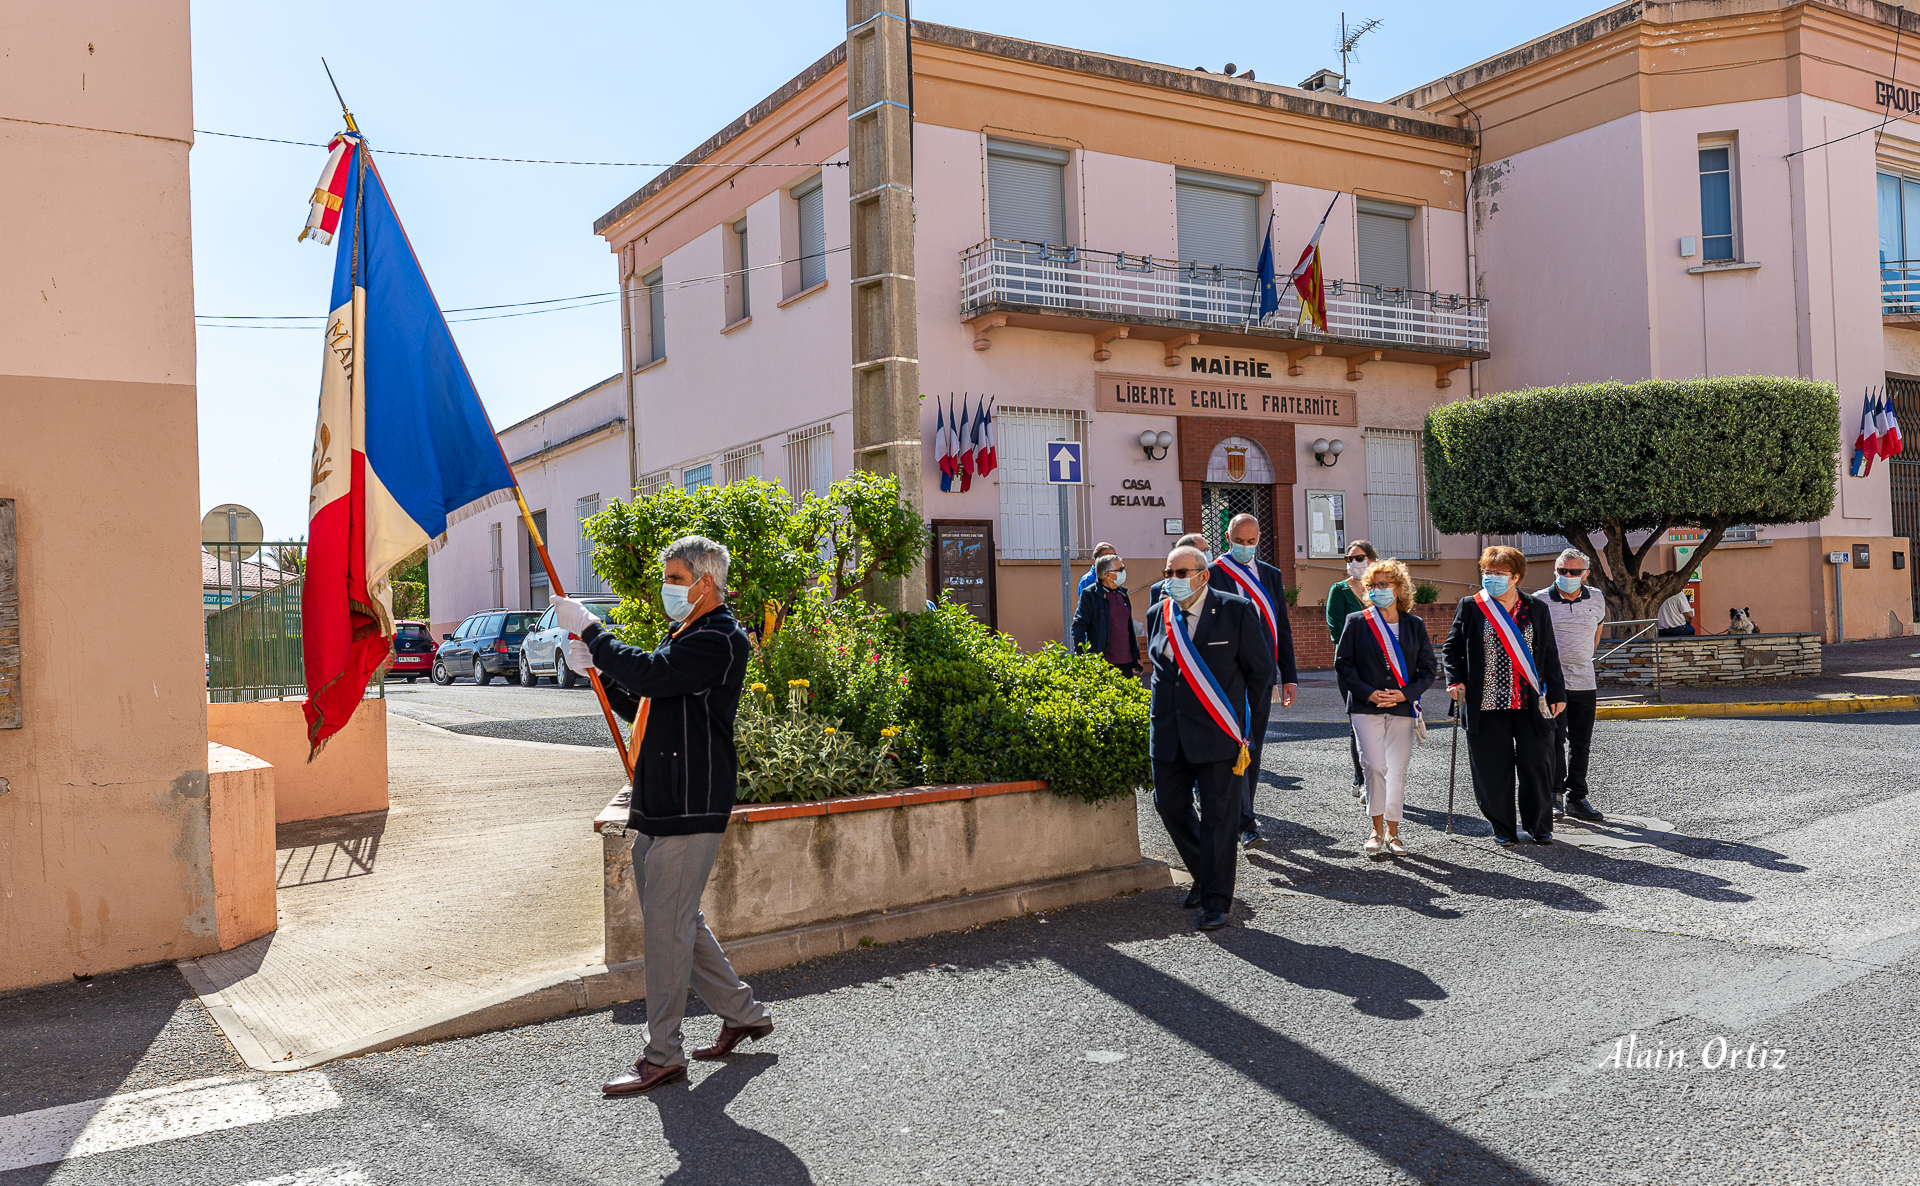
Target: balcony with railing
[
  {"x": 1900, "y": 289},
  {"x": 1113, "y": 294}
]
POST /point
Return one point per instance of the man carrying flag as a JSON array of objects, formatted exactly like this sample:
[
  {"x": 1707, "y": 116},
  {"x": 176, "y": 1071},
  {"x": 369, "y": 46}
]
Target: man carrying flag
[
  {"x": 1210, "y": 653},
  {"x": 1307, "y": 280},
  {"x": 1240, "y": 569}
]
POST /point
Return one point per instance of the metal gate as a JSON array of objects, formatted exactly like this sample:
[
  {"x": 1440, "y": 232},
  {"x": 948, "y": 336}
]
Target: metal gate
[
  {"x": 1221, "y": 501},
  {"x": 1904, "y": 470}
]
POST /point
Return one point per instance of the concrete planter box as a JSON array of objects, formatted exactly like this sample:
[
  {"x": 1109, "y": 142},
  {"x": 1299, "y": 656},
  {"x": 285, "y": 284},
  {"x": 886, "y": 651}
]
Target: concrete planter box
[
  {"x": 798, "y": 880},
  {"x": 1710, "y": 659}
]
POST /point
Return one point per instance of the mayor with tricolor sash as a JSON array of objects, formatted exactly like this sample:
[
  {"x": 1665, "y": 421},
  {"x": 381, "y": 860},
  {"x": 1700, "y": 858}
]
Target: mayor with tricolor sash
[
  {"x": 1210, "y": 654},
  {"x": 1240, "y": 570}
]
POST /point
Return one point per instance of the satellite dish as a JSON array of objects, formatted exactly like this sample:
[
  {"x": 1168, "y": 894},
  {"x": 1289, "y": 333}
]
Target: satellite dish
[{"x": 231, "y": 523}]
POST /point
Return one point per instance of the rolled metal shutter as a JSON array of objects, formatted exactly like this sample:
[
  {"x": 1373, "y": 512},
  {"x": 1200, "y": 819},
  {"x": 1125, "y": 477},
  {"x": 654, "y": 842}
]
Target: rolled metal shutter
[
  {"x": 1386, "y": 245},
  {"x": 1026, "y": 192},
  {"x": 1218, "y": 219},
  {"x": 812, "y": 202}
]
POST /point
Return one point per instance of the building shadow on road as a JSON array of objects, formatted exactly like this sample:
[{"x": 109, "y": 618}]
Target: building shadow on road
[{"x": 711, "y": 1145}]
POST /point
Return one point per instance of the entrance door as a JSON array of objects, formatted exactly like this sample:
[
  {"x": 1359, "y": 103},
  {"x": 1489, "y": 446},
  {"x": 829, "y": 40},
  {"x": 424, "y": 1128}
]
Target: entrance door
[
  {"x": 1221, "y": 501},
  {"x": 1904, "y": 470}
]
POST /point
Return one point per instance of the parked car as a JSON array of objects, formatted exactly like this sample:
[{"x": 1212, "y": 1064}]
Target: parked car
[
  {"x": 412, "y": 650},
  {"x": 545, "y": 649},
  {"x": 486, "y": 644}
]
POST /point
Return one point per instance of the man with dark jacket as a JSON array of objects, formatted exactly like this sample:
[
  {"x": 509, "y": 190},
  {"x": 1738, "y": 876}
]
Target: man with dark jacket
[
  {"x": 1240, "y": 570},
  {"x": 1209, "y": 651},
  {"x": 683, "y": 787},
  {"x": 1104, "y": 621}
]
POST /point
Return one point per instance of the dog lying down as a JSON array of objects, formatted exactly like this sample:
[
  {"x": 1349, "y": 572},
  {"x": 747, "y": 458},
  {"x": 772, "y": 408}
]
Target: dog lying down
[{"x": 1741, "y": 622}]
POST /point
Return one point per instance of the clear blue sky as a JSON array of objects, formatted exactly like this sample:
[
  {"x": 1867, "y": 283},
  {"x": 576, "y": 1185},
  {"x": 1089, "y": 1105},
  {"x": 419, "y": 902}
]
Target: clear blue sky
[{"x": 593, "y": 81}]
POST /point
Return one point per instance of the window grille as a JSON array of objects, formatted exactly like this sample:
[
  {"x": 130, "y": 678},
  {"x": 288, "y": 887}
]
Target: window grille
[
  {"x": 1029, "y": 505},
  {"x": 810, "y": 461},
  {"x": 655, "y": 482},
  {"x": 737, "y": 465},
  {"x": 587, "y": 581},
  {"x": 1397, "y": 524}
]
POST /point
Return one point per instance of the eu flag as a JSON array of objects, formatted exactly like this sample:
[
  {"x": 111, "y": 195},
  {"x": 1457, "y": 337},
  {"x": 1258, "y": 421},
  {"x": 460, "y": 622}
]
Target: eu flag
[{"x": 1269, "y": 286}]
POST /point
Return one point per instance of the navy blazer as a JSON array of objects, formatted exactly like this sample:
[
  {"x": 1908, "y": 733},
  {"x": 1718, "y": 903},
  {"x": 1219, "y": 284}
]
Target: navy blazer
[
  {"x": 1466, "y": 660},
  {"x": 1362, "y": 666},
  {"x": 1232, "y": 641},
  {"x": 1275, "y": 583},
  {"x": 1092, "y": 622}
]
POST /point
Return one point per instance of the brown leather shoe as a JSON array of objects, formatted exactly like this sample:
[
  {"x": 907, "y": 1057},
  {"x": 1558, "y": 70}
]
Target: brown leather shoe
[
  {"x": 643, "y": 1076},
  {"x": 730, "y": 1037}
]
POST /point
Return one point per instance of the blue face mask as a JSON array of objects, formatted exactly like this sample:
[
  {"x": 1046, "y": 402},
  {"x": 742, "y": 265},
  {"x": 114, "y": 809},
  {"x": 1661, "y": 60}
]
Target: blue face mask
[
  {"x": 1380, "y": 597},
  {"x": 1243, "y": 552},
  {"x": 674, "y": 599},
  {"x": 1178, "y": 588},
  {"x": 1568, "y": 585},
  {"x": 1495, "y": 584}
]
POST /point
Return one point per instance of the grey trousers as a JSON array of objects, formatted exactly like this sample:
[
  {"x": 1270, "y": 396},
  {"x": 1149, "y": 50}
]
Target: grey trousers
[{"x": 670, "y": 873}]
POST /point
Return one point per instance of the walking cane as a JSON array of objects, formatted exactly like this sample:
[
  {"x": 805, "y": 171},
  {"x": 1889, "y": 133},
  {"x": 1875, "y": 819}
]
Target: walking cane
[{"x": 1453, "y": 714}]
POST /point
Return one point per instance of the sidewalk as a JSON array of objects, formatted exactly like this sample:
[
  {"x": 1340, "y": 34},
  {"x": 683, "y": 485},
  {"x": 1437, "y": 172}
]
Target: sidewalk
[
  {"x": 1875, "y": 667},
  {"x": 481, "y": 875}
]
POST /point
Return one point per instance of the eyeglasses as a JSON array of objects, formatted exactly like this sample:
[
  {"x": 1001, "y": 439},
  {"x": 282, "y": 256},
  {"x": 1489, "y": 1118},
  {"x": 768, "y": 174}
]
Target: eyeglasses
[
  {"x": 1571, "y": 572},
  {"x": 1182, "y": 572}
]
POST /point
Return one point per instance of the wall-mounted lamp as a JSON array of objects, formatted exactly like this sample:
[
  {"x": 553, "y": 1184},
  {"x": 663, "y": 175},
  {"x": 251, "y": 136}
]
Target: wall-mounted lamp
[
  {"x": 1328, "y": 452},
  {"x": 1151, "y": 440}
]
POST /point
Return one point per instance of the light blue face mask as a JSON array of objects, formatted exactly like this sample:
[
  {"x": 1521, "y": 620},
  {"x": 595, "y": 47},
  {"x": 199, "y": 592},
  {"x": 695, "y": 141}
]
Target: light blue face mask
[
  {"x": 1495, "y": 584},
  {"x": 1243, "y": 552},
  {"x": 1568, "y": 585},
  {"x": 1380, "y": 597},
  {"x": 1178, "y": 588},
  {"x": 674, "y": 599}
]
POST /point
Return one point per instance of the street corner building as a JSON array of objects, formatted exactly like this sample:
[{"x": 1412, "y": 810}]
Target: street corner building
[{"x": 1086, "y": 257}]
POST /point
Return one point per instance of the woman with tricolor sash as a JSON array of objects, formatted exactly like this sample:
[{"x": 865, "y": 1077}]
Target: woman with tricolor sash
[
  {"x": 1385, "y": 661},
  {"x": 1504, "y": 669}
]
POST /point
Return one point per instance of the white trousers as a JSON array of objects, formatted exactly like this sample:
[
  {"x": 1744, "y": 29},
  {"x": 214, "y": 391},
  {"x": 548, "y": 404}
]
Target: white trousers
[{"x": 1386, "y": 747}]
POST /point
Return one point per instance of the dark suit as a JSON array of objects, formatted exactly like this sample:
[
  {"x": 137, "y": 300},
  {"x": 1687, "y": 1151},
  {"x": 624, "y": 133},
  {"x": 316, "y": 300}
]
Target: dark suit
[
  {"x": 1511, "y": 743},
  {"x": 1275, "y": 584},
  {"x": 1093, "y": 623},
  {"x": 1191, "y": 753}
]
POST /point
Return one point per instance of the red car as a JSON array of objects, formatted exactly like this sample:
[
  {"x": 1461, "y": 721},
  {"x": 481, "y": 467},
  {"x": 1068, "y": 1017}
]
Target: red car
[{"x": 412, "y": 650}]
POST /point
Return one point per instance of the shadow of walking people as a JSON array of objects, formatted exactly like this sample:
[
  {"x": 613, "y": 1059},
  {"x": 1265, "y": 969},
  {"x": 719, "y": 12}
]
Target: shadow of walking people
[{"x": 711, "y": 1145}]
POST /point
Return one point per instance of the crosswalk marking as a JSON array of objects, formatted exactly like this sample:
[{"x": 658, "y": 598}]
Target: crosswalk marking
[
  {"x": 344, "y": 1174},
  {"x": 159, "y": 1114}
]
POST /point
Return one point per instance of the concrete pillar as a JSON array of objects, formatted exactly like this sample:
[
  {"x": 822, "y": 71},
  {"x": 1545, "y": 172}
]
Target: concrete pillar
[{"x": 886, "y": 348}]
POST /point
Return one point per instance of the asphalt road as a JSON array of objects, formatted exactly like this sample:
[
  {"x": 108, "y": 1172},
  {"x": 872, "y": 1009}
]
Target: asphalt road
[{"x": 1449, "y": 1017}]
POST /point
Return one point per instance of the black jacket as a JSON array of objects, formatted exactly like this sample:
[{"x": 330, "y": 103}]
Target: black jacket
[
  {"x": 1275, "y": 583},
  {"x": 1232, "y": 641},
  {"x": 687, "y": 770},
  {"x": 1092, "y": 622},
  {"x": 1466, "y": 660},
  {"x": 1363, "y": 670}
]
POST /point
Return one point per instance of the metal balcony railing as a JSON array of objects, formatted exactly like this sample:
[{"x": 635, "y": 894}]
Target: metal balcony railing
[
  {"x": 1899, "y": 286},
  {"x": 1080, "y": 282}
]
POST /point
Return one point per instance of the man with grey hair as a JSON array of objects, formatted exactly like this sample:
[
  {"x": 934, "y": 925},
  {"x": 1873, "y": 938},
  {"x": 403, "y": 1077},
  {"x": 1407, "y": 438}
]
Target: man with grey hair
[
  {"x": 685, "y": 773},
  {"x": 1578, "y": 614}
]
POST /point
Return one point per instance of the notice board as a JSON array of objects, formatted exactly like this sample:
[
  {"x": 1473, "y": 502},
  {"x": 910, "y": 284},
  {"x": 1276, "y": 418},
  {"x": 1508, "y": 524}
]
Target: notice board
[
  {"x": 962, "y": 566},
  {"x": 9, "y": 621}
]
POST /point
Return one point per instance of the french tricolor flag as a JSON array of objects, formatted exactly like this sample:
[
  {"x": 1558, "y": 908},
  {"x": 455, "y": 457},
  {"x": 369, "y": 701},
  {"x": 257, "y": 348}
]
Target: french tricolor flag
[
  {"x": 402, "y": 448},
  {"x": 1866, "y": 446}
]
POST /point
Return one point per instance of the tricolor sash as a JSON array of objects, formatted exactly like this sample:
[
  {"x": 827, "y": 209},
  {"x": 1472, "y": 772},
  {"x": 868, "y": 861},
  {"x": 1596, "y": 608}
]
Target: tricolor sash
[
  {"x": 1508, "y": 632},
  {"x": 1390, "y": 647},
  {"x": 1200, "y": 678},
  {"x": 1251, "y": 587}
]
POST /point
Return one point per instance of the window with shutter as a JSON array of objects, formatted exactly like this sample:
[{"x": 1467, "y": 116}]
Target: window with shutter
[
  {"x": 1385, "y": 234},
  {"x": 742, "y": 302},
  {"x": 589, "y": 581},
  {"x": 1397, "y": 496},
  {"x": 1218, "y": 219},
  {"x": 656, "y": 314},
  {"x": 810, "y": 199},
  {"x": 1029, "y": 505},
  {"x": 1026, "y": 192}
]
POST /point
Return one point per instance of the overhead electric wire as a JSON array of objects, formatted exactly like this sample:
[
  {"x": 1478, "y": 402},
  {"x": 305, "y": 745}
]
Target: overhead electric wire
[
  {"x": 588, "y": 300},
  {"x": 1899, "y": 26},
  {"x": 512, "y": 160}
]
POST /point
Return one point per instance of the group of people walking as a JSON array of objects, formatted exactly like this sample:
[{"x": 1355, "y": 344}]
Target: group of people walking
[{"x": 1518, "y": 667}]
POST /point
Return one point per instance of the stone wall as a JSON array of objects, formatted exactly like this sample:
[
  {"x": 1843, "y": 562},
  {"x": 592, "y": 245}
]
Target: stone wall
[
  {"x": 1313, "y": 650},
  {"x": 1710, "y": 659}
]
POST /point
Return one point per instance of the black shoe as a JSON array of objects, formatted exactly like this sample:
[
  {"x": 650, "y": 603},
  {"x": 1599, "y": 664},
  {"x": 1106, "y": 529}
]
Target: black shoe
[
  {"x": 1211, "y": 920},
  {"x": 1193, "y": 900},
  {"x": 1581, "y": 809},
  {"x": 1544, "y": 838},
  {"x": 1559, "y": 805},
  {"x": 1250, "y": 836}
]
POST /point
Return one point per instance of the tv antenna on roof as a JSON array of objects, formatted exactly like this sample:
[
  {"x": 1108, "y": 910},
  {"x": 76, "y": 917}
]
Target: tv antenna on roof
[{"x": 1349, "y": 38}]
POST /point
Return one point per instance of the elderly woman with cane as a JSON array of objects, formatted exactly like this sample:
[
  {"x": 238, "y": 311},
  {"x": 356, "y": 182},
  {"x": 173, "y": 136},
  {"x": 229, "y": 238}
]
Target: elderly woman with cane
[
  {"x": 1504, "y": 669},
  {"x": 1384, "y": 662}
]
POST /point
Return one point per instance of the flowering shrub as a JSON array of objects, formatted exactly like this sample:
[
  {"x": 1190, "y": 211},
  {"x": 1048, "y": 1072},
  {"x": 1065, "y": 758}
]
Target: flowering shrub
[{"x": 800, "y": 755}]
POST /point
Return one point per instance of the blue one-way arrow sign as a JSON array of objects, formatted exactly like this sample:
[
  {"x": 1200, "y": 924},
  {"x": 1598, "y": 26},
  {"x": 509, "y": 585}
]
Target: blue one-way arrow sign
[{"x": 1063, "y": 463}]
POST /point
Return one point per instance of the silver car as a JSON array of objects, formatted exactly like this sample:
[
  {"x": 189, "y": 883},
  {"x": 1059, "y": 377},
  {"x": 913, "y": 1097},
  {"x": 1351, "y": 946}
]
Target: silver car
[{"x": 544, "y": 650}]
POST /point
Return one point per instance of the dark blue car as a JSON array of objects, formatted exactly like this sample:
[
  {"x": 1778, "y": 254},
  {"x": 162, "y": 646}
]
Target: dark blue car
[{"x": 487, "y": 644}]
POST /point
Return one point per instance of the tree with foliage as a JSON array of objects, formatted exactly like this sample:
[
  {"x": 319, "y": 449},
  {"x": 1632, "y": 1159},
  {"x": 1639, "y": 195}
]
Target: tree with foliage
[
  {"x": 857, "y": 532},
  {"x": 1632, "y": 461}
]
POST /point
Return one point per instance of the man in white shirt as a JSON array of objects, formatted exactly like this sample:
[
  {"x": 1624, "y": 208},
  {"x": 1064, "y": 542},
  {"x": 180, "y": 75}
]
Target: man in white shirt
[
  {"x": 1676, "y": 616},
  {"x": 1578, "y": 613}
]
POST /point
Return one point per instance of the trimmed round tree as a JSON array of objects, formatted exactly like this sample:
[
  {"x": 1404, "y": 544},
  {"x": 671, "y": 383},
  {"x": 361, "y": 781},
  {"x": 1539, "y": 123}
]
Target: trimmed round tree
[{"x": 1629, "y": 461}]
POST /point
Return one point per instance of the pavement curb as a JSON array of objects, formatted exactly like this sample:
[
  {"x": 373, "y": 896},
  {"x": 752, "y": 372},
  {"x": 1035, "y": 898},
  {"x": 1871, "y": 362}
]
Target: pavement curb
[
  {"x": 1759, "y": 708},
  {"x": 557, "y": 994}
]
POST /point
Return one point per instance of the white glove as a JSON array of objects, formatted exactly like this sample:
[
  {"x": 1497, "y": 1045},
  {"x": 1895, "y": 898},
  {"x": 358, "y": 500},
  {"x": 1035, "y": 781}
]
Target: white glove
[
  {"x": 579, "y": 657},
  {"x": 570, "y": 615}
]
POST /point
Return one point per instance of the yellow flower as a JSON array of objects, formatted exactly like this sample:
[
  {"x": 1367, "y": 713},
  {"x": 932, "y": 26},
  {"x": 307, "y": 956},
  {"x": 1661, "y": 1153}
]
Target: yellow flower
[
  {"x": 798, "y": 683},
  {"x": 758, "y": 688},
  {"x": 830, "y": 728},
  {"x": 889, "y": 732}
]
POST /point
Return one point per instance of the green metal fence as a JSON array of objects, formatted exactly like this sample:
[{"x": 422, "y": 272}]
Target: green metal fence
[{"x": 253, "y": 648}]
